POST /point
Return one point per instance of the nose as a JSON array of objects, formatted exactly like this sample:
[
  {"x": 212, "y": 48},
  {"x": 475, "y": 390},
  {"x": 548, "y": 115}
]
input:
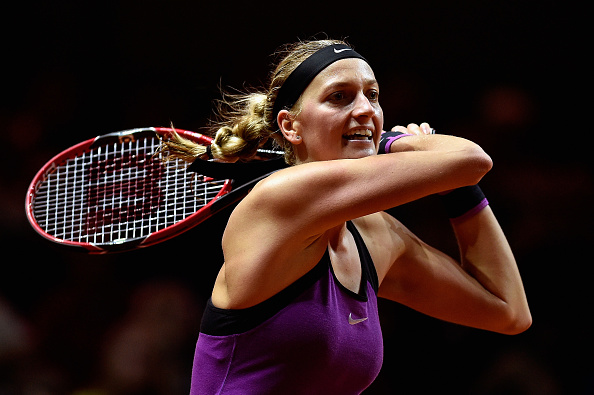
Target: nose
[{"x": 362, "y": 106}]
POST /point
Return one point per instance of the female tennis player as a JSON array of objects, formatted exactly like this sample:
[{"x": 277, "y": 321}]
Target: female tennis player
[{"x": 309, "y": 250}]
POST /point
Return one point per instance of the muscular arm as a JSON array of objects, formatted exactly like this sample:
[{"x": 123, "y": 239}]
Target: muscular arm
[
  {"x": 279, "y": 231},
  {"x": 486, "y": 255},
  {"x": 483, "y": 291},
  {"x": 332, "y": 192}
]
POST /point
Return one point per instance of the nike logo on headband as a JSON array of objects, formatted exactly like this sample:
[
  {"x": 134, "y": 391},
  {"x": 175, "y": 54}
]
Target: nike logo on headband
[
  {"x": 341, "y": 50},
  {"x": 299, "y": 79}
]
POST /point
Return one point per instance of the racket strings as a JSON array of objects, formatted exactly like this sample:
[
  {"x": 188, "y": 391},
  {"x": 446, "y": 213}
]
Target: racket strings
[{"x": 118, "y": 192}]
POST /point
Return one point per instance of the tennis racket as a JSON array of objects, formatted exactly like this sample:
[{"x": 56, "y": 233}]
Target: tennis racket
[{"x": 114, "y": 192}]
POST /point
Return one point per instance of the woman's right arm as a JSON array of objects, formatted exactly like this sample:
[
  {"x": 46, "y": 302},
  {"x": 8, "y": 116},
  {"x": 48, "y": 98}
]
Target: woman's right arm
[
  {"x": 283, "y": 220},
  {"x": 321, "y": 195}
]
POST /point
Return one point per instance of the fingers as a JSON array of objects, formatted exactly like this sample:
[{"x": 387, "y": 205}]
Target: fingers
[
  {"x": 415, "y": 129},
  {"x": 427, "y": 129},
  {"x": 401, "y": 129}
]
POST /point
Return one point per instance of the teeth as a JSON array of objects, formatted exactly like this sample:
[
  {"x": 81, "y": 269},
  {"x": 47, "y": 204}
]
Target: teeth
[{"x": 360, "y": 132}]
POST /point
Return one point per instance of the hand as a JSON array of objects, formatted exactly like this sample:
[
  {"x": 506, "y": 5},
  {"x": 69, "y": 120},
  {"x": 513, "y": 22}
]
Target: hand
[{"x": 415, "y": 129}]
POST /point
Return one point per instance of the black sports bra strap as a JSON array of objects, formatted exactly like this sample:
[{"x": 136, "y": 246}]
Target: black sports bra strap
[{"x": 368, "y": 268}]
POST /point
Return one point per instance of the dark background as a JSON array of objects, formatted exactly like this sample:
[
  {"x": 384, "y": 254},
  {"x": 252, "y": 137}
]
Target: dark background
[{"x": 508, "y": 75}]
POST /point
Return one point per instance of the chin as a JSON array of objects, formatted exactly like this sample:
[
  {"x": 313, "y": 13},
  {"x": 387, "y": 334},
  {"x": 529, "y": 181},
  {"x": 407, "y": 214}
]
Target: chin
[
  {"x": 359, "y": 149},
  {"x": 360, "y": 154}
]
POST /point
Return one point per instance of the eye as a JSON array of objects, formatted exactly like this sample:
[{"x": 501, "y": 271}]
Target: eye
[
  {"x": 337, "y": 96},
  {"x": 373, "y": 95}
]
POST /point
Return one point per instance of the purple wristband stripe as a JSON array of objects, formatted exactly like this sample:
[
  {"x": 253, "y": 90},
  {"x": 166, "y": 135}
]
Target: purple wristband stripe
[
  {"x": 475, "y": 210},
  {"x": 392, "y": 139}
]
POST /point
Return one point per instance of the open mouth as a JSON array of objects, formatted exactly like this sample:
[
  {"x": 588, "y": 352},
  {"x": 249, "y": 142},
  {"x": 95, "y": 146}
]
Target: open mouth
[{"x": 358, "y": 135}]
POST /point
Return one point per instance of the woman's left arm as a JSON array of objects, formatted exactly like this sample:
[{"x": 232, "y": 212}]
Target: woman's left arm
[
  {"x": 486, "y": 255},
  {"x": 483, "y": 290}
]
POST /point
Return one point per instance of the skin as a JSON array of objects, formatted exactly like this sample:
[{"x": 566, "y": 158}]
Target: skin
[{"x": 283, "y": 227}]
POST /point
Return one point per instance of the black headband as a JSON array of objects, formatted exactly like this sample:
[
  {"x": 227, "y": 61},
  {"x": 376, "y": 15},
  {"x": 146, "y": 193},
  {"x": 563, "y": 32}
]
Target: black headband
[{"x": 300, "y": 78}]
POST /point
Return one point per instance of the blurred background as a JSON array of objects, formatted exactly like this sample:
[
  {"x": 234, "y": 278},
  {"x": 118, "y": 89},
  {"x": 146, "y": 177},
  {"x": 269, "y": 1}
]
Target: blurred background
[{"x": 508, "y": 75}]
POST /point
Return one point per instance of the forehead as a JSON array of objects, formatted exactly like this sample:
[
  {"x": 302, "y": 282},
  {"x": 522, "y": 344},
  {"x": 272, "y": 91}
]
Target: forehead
[{"x": 345, "y": 70}]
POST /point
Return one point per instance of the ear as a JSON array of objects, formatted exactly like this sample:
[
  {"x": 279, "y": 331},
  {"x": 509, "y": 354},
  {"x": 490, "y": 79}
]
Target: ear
[{"x": 287, "y": 125}]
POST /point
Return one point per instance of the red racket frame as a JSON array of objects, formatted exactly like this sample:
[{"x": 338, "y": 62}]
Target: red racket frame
[{"x": 101, "y": 248}]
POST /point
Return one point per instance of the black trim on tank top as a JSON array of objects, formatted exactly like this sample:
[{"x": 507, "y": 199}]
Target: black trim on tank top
[
  {"x": 225, "y": 322},
  {"x": 368, "y": 268}
]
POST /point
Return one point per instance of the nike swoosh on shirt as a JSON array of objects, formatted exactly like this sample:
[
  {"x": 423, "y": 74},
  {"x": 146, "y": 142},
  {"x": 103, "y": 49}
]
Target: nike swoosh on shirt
[
  {"x": 341, "y": 50},
  {"x": 354, "y": 321}
]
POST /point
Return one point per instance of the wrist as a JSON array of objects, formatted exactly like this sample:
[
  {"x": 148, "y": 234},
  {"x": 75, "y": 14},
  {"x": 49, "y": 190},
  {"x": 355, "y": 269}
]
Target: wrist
[
  {"x": 386, "y": 140},
  {"x": 463, "y": 203}
]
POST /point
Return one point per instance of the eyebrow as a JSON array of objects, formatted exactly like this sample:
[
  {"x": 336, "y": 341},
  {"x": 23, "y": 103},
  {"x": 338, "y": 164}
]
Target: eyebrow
[{"x": 340, "y": 84}]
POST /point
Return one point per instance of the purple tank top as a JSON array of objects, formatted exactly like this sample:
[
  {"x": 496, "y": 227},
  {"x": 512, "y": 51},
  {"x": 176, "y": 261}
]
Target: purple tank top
[{"x": 315, "y": 337}]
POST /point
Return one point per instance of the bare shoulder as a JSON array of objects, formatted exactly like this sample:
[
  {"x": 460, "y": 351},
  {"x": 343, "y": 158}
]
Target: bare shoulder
[{"x": 264, "y": 248}]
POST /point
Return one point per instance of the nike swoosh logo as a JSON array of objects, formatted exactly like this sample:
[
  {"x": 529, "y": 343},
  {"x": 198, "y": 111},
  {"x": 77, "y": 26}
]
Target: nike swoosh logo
[
  {"x": 354, "y": 321},
  {"x": 341, "y": 50}
]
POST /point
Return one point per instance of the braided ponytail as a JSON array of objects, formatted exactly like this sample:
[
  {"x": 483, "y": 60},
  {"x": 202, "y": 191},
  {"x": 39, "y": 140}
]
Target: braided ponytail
[{"x": 244, "y": 126}]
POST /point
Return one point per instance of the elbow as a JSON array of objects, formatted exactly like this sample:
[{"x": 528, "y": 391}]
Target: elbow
[
  {"x": 519, "y": 326},
  {"x": 517, "y": 323},
  {"x": 484, "y": 161},
  {"x": 478, "y": 163}
]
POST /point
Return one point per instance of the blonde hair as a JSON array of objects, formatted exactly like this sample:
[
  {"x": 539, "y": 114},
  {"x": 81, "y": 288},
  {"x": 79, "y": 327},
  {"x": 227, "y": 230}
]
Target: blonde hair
[{"x": 245, "y": 121}]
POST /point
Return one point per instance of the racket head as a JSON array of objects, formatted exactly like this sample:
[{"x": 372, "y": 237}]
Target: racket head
[{"x": 114, "y": 193}]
